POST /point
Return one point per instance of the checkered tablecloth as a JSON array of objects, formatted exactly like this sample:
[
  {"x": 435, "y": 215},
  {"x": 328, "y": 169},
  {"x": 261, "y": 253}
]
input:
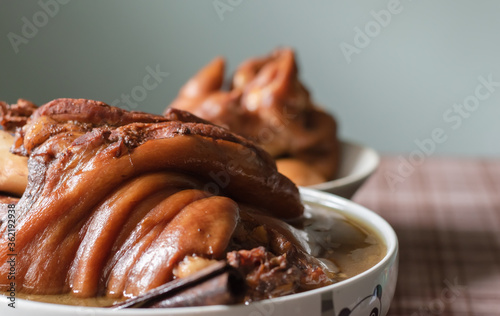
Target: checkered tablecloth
[{"x": 446, "y": 213}]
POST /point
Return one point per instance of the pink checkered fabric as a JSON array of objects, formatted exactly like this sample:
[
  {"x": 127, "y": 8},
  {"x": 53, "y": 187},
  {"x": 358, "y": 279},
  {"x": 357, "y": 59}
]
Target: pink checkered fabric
[{"x": 446, "y": 213}]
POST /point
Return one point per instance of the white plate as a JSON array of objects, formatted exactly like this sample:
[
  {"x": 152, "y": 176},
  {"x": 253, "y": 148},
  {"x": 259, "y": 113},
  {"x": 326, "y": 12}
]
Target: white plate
[
  {"x": 357, "y": 164},
  {"x": 363, "y": 294}
]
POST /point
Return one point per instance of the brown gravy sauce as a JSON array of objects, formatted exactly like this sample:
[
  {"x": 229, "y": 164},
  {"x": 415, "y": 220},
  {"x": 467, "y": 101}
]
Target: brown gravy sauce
[{"x": 345, "y": 247}]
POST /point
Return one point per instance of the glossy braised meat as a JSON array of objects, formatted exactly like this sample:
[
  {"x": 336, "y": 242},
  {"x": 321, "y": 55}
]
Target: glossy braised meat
[
  {"x": 15, "y": 115},
  {"x": 119, "y": 203},
  {"x": 13, "y": 169},
  {"x": 268, "y": 104}
]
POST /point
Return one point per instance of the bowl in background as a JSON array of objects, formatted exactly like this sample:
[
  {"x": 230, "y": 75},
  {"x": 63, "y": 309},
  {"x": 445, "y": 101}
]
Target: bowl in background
[
  {"x": 357, "y": 164},
  {"x": 368, "y": 293}
]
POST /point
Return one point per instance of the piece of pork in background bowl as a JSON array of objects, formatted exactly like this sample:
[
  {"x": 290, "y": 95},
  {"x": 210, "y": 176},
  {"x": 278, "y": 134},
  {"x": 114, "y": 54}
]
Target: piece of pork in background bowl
[
  {"x": 268, "y": 104},
  {"x": 357, "y": 164}
]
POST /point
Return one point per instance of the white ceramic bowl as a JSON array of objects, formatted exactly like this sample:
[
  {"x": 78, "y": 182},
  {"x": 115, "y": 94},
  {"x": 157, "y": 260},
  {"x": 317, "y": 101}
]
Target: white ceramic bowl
[
  {"x": 369, "y": 293},
  {"x": 357, "y": 163}
]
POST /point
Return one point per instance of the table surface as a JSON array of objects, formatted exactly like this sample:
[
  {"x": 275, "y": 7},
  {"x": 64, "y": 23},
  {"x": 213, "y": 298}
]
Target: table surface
[{"x": 446, "y": 213}]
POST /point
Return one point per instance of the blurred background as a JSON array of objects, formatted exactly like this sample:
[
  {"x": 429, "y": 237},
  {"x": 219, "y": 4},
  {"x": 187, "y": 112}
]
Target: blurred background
[{"x": 392, "y": 72}]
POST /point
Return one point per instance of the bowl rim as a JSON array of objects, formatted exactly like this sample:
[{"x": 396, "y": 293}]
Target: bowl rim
[
  {"x": 359, "y": 213},
  {"x": 351, "y": 178}
]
